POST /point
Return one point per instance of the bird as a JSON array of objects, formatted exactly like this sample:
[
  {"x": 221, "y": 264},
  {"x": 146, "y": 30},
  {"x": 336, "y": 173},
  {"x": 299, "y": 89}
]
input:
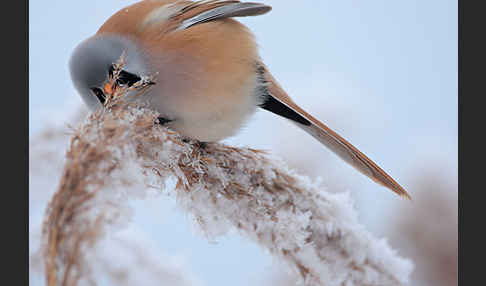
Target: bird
[{"x": 208, "y": 77}]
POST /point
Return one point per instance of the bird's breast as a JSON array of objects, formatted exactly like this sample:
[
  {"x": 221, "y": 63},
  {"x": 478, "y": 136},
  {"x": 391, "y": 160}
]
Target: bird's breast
[{"x": 203, "y": 107}]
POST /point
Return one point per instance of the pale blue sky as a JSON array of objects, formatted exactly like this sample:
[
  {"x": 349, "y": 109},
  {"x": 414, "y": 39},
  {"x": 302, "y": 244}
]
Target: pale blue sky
[{"x": 382, "y": 73}]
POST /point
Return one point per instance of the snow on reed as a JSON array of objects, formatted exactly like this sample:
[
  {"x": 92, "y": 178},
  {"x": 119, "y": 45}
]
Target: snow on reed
[
  {"x": 119, "y": 154},
  {"x": 127, "y": 257}
]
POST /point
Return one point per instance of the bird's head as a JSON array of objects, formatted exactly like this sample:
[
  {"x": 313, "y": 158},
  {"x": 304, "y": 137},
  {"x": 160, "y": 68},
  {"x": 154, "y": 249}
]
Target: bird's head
[{"x": 94, "y": 61}]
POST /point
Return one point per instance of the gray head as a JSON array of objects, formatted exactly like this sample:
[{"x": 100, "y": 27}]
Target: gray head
[{"x": 93, "y": 59}]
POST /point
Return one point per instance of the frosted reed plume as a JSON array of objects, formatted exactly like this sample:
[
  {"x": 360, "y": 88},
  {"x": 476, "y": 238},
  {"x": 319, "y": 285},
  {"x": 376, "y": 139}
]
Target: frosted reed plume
[{"x": 119, "y": 154}]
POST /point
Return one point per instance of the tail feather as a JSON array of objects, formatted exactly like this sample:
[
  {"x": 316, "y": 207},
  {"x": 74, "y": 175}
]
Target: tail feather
[{"x": 280, "y": 103}]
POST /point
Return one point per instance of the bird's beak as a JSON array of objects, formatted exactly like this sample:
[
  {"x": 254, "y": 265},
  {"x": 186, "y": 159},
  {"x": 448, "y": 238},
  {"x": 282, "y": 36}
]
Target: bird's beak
[{"x": 108, "y": 89}]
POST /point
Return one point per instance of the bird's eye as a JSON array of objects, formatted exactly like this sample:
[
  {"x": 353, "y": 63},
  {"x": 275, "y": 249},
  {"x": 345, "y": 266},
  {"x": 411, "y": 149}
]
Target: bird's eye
[
  {"x": 126, "y": 78},
  {"x": 99, "y": 94}
]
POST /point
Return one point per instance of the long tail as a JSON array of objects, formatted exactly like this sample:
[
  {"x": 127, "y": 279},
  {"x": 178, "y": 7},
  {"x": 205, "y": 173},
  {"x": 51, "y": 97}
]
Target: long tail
[{"x": 278, "y": 102}]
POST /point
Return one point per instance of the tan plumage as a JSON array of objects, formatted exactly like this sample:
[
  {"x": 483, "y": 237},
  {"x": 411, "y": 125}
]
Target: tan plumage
[{"x": 209, "y": 76}]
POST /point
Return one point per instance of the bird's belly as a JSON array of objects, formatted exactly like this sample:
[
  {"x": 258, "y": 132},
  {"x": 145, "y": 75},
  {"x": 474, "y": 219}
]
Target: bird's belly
[
  {"x": 210, "y": 115},
  {"x": 214, "y": 125}
]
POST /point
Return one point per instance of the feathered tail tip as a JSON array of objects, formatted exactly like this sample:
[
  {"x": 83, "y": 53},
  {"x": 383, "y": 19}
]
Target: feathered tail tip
[
  {"x": 404, "y": 194},
  {"x": 397, "y": 189}
]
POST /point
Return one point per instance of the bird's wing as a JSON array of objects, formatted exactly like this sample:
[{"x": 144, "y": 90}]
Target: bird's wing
[
  {"x": 180, "y": 15},
  {"x": 205, "y": 11},
  {"x": 278, "y": 102}
]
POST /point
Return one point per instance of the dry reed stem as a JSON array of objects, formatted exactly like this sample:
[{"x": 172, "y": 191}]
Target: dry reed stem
[{"x": 119, "y": 149}]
